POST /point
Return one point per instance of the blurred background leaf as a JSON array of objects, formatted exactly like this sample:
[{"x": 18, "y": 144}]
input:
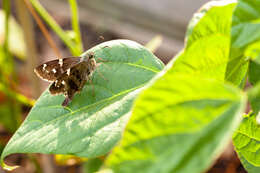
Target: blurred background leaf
[
  {"x": 245, "y": 32},
  {"x": 15, "y": 39}
]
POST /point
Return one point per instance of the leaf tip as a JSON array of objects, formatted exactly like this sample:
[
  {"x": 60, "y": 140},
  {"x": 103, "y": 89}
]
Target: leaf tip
[{"x": 7, "y": 167}]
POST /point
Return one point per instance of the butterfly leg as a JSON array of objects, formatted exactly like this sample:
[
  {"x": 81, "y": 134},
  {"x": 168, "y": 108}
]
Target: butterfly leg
[
  {"x": 93, "y": 89},
  {"x": 69, "y": 97},
  {"x": 100, "y": 74},
  {"x": 66, "y": 101},
  {"x": 102, "y": 60}
]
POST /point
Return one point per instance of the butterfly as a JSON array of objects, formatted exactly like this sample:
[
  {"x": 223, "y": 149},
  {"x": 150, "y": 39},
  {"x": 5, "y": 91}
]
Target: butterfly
[{"x": 68, "y": 75}]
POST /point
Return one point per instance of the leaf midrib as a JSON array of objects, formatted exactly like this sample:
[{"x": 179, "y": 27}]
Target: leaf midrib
[{"x": 135, "y": 65}]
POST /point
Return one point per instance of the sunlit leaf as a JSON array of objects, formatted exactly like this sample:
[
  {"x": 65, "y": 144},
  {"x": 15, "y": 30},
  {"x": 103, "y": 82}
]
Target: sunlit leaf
[
  {"x": 185, "y": 118},
  {"x": 179, "y": 124},
  {"x": 246, "y": 141},
  {"x": 207, "y": 42}
]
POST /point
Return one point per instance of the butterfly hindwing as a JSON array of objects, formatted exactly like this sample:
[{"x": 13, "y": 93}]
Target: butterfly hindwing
[
  {"x": 70, "y": 82},
  {"x": 52, "y": 70}
]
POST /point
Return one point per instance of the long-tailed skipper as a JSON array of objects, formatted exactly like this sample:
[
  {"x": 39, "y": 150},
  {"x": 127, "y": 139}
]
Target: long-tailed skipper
[{"x": 67, "y": 75}]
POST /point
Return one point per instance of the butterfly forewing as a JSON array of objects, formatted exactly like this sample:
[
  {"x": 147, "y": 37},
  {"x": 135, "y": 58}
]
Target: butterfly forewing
[{"x": 52, "y": 70}]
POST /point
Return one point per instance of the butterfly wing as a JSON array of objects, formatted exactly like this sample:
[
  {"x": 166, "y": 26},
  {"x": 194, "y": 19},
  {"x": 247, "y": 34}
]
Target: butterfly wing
[
  {"x": 51, "y": 70},
  {"x": 71, "y": 82}
]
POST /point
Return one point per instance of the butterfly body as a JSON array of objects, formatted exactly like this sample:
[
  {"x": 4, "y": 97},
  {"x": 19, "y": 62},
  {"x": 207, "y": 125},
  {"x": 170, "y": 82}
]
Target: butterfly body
[{"x": 68, "y": 75}]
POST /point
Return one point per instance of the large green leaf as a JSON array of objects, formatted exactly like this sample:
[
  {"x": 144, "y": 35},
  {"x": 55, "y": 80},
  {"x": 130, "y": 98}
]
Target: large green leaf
[
  {"x": 208, "y": 38},
  {"x": 181, "y": 123},
  {"x": 92, "y": 124},
  {"x": 246, "y": 141},
  {"x": 249, "y": 167},
  {"x": 247, "y": 138},
  {"x": 245, "y": 32}
]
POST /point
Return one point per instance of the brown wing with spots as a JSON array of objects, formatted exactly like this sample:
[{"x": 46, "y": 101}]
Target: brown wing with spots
[
  {"x": 71, "y": 82},
  {"x": 51, "y": 70}
]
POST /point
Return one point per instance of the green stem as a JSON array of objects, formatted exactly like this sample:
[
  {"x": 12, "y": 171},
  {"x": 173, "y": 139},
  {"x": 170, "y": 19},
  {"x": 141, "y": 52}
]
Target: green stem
[
  {"x": 6, "y": 5},
  {"x": 8, "y": 58},
  {"x": 55, "y": 27},
  {"x": 16, "y": 96},
  {"x": 75, "y": 23},
  {"x": 7, "y": 68}
]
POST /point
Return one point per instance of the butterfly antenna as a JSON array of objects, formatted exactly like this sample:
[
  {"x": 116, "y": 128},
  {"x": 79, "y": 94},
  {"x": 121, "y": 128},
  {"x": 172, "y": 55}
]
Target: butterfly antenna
[
  {"x": 101, "y": 38},
  {"x": 102, "y": 60}
]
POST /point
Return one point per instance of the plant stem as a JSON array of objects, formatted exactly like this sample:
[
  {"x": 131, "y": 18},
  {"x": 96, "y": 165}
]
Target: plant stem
[
  {"x": 8, "y": 58},
  {"x": 55, "y": 27},
  {"x": 8, "y": 67},
  {"x": 42, "y": 28},
  {"x": 75, "y": 24},
  {"x": 16, "y": 96},
  {"x": 6, "y": 5},
  {"x": 31, "y": 50}
]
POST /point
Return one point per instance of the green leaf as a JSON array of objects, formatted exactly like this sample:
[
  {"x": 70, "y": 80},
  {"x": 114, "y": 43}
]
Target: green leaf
[
  {"x": 185, "y": 117},
  {"x": 181, "y": 123},
  {"x": 249, "y": 167},
  {"x": 93, "y": 123},
  {"x": 253, "y": 52},
  {"x": 245, "y": 32},
  {"x": 254, "y": 98},
  {"x": 208, "y": 38},
  {"x": 246, "y": 141},
  {"x": 254, "y": 72},
  {"x": 247, "y": 138},
  {"x": 16, "y": 39}
]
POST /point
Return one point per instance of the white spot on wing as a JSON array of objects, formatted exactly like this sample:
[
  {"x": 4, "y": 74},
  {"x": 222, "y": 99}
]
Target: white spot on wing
[
  {"x": 56, "y": 82},
  {"x": 63, "y": 82},
  {"x": 54, "y": 70},
  {"x": 44, "y": 66},
  {"x": 68, "y": 72},
  {"x": 61, "y": 62}
]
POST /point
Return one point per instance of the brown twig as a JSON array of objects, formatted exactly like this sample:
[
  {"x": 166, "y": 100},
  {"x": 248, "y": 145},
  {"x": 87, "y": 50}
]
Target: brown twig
[
  {"x": 31, "y": 50},
  {"x": 43, "y": 28}
]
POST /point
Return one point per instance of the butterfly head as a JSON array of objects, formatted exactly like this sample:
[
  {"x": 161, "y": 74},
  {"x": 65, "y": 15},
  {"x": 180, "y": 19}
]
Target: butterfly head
[{"x": 90, "y": 59}]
